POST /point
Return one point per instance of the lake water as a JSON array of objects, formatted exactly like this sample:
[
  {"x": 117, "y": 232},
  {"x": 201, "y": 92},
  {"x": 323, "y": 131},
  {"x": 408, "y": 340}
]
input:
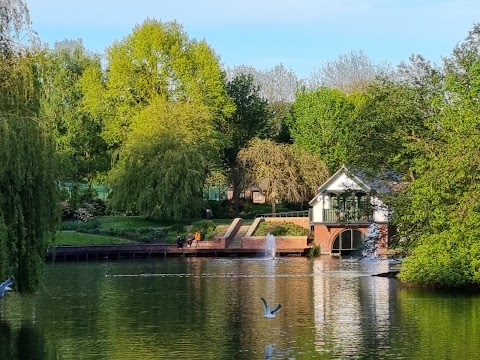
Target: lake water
[{"x": 204, "y": 308}]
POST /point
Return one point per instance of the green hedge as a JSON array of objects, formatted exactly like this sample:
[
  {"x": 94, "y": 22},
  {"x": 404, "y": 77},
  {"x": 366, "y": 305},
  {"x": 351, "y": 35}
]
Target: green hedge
[{"x": 280, "y": 229}]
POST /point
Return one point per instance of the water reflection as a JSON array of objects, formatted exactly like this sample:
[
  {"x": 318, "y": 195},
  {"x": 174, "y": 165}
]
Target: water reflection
[
  {"x": 351, "y": 305},
  {"x": 199, "y": 308},
  {"x": 24, "y": 343}
]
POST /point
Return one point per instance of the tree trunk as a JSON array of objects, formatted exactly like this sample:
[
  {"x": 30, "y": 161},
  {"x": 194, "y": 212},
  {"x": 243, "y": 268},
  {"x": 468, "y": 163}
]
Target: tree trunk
[{"x": 274, "y": 206}]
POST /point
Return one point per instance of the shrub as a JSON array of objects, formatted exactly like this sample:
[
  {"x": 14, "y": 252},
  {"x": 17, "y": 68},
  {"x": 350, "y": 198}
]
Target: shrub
[
  {"x": 442, "y": 260},
  {"x": 96, "y": 206},
  {"x": 280, "y": 229},
  {"x": 83, "y": 215},
  {"x": 314, "y": 251},
  {"x": 67, "y": 210},
  {"x": 78, "y": 226},
  {"x": 206, "y": 227}
]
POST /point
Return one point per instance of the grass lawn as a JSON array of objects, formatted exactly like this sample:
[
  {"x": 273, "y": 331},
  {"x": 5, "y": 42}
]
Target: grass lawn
[
  {"x": 118, "y": 225},
  {"x": 112, "y": 230},
  {"x": 135, "y": 222},
  {"x": 75, "y": 238}
]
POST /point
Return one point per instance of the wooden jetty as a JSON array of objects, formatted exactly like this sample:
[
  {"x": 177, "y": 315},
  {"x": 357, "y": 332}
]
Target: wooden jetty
[{"x": 133, "y": 251}]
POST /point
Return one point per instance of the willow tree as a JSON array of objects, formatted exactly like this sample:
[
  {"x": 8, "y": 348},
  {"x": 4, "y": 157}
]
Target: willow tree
[
  {"x": 27, "y": 186},
  {"x": 163, "y": 167},
  {"x": 282, "y": 171}
]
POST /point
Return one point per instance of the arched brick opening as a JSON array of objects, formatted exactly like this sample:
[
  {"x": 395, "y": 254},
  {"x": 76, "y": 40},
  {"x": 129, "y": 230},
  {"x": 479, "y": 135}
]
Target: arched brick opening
[{"x": 347, "y": 241}]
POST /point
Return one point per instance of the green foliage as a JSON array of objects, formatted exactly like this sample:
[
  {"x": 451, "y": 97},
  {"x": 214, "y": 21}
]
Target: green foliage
[
  {"x": 446, "y": 260},
  {"x": 157, "y": 61},
  {"x": 163, "y": 167},
  {"x": 282, "y": 171},
  {"x": 280, "y": 229},
  {"x": 78, "y": 225},
  {"x": 80, "y": 151},
  {"x": 206, "y": 227},
  {"x": 27, "y": 197},
  {"x": 249, "y": 120},
  {"x": 438, "y": 213},
  {"x": 320, "y": 122},
  {"x": 314, "y": 251}
]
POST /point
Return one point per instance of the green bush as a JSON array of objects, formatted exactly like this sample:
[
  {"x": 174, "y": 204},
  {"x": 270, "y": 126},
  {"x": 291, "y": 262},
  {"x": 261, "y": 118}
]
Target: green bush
[
  {"x": 280, "y": 229},
  {"x": 314, "y": 251},
  {"x": 206, "y": 227},
  {"x": 78, "y": 225},
  {"x": 445, "y": 260}
]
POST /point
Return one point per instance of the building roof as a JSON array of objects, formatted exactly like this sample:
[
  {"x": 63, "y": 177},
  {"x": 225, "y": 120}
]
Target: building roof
[{"x": 364, "y": 182}]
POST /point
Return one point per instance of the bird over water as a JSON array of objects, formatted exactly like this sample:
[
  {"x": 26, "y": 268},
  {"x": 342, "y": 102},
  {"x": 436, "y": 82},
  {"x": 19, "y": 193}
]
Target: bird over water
[
  {"x": 269, "y": 313},
  {"x": 5, "y": 286}
]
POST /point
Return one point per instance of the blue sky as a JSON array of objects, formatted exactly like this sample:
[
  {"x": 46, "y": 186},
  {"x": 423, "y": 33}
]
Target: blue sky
[{"x": 301, "y": 34}]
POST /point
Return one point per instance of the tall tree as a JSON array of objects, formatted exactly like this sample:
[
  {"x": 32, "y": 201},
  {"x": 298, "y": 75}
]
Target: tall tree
[
  {"x": 248, "y": 121},
  {"x": 320, "y": 122},
  {"x": 277, "y": 86},
  {"x": 27, "y": 186},
  {"x": 80, "y": 150},
  {"x": 157, "y": 60},
  {"x": 439, "y": 211},
  {"x": 348, "y": 73},
  {"x": 14, "y": 25}
]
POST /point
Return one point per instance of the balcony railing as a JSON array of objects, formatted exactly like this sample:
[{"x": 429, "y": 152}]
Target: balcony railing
[
  {"x": 302, "y": 213},
  {"x": 338, "y": 216}
]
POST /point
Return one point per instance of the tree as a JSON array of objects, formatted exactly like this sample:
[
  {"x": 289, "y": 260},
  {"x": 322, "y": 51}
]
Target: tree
[
  {"x": 27, "y": 185},
  {"x": 156, "y": 61},
  {"x": 248, "y": 121},
  {"x": 81, "y": 152},
  {"x": 162, "y": 170},
  {"x": 278, "y": 87},
  {"x": 281, "y": 171},
  {"x": 320, "y": 122},
  {"x": 348, "y": 73},
  {"x": 14, "y": 25},
  {"x": 389, "y": 126},
  {"x": 438, "y": 213}
]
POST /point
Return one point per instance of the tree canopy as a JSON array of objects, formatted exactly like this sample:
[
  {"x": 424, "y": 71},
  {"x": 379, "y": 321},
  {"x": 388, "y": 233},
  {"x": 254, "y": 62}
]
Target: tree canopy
[
  {"x": 81, "y": 153},
  {"x": 163, "y": 167},
  {"x": 320, "y": 123},
  {"x": 249, "y": 120},
  {"x": 156, "y": 61},
  {"x": 281, "y": 171},
  {"x": 27, "y": 182}
]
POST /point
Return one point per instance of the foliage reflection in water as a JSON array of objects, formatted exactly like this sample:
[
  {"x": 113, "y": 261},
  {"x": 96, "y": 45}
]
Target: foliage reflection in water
[{"x": 199, "y": 308}]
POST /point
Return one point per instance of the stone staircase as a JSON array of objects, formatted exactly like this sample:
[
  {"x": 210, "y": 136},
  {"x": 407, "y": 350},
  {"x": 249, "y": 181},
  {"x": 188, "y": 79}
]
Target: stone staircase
[{"x": 236, "y": 242}]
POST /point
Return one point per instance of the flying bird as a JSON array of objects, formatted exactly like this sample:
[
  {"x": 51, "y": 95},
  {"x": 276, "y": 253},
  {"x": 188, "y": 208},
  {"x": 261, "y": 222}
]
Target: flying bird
[
  {"x": 268, "y": 312},
  {"x": 5, "y": 286}
]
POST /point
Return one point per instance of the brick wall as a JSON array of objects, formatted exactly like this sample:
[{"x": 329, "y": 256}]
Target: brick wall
[
  {"x": 211, "y": 244},
  {"x": 324, "y": 236},
  {"x": 281, "y": 242}
]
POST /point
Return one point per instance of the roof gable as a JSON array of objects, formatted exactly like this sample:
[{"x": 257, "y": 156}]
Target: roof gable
[{"x": 342, "y": 180}]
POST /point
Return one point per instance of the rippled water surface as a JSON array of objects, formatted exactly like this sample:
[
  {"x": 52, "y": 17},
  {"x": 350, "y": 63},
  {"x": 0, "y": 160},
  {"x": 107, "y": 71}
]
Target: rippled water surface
[{"x": 204, "y": 308}]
